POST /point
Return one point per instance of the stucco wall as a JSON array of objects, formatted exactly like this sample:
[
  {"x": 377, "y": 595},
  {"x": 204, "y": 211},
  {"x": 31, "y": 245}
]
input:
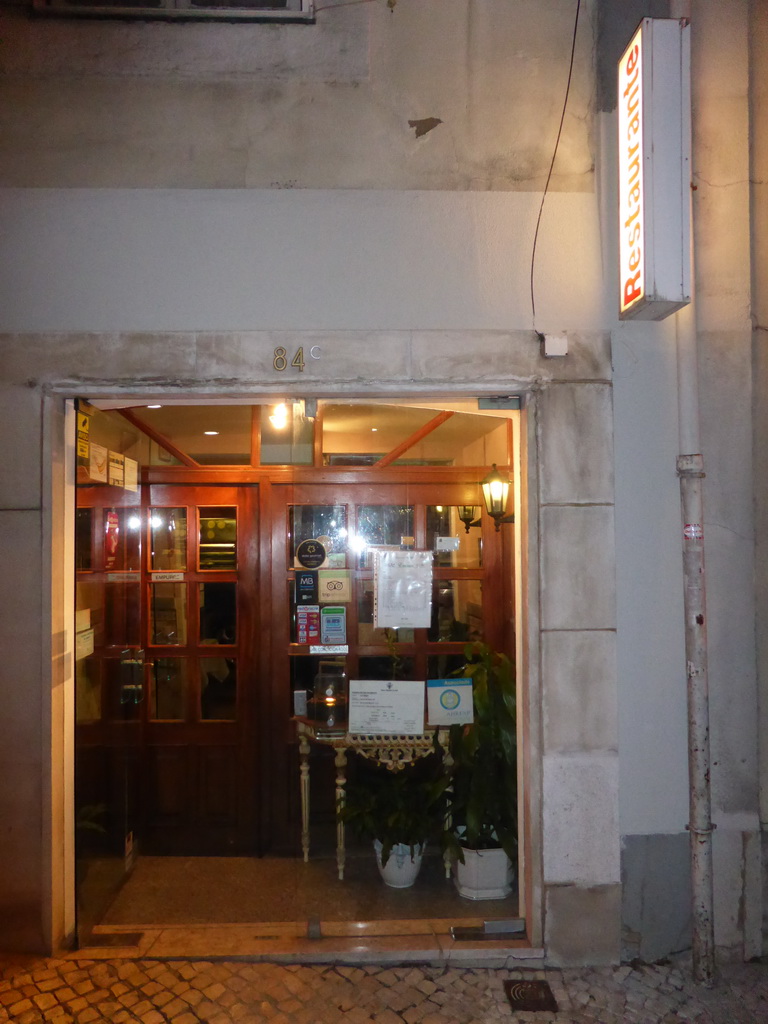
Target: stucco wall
[
  {"x": 148, "y": 105},
  {"x": 221, "y": 181}
]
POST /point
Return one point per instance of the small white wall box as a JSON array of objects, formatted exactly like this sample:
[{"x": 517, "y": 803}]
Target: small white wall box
[
  {"x": 654, "y": 119},
  {"x": 554, "y": 345}
]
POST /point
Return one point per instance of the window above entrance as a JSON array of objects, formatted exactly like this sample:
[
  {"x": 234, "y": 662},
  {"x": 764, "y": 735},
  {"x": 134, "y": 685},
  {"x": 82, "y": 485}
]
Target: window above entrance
[
  {"x": 227, "y": 10},
  {"x": 322, "y": 433}
]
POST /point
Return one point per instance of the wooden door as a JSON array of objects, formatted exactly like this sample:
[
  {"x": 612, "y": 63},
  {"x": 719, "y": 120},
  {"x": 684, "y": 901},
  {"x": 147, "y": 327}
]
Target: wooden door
[
  {"x": 472, "y": 599},
  {"x": 200, "y": 618}
]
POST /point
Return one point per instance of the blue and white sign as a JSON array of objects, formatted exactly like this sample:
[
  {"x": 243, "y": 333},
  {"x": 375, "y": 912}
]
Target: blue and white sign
[{"x": 449, "y": 702}]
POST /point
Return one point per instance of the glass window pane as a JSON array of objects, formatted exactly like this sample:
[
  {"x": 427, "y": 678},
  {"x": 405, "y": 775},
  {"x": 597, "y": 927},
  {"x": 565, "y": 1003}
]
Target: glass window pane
[
  {"x": 124, "y": 678},
  {"x": 218, "y": 689},
  {"x": 218, "y": 613},
  {"x": 122, "y": 540},
  {"x": 287, "y": 435},
  {"x": 382, "y": 667},
  {"x": 367, "y": 635},
  {"x": 464, "y": 546},
  {"x": 122, "y": 614},
  {"x": 440, "y": 666},
  {"x": 324, "y": 523},
  {"x": 168, "y": 613},
  {"x": 360, "y": 435},
  {"x": 218, "y": 537},
  {"x": 383, "y": 524},
  {"x": 84, "y": 539},
  {"x": 457, "y": 611},
  {"x": 319, "y": 690},
  {"x": 169, "y": 689},
  {"x": 89, "y": 597},
  {"x": 169, "y": 539},
  {"x": 463, "y": 440},
  {"x": 87, "y": 690}
]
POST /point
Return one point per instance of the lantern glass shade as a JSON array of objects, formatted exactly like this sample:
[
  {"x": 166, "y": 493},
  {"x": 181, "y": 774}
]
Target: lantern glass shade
[
  {"x": 466, "y": 515},
  {"x": 495, "y": 491}
]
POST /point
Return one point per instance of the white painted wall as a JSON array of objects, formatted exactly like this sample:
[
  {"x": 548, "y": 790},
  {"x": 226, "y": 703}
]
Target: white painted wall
[{"x": 107, "y": 260}]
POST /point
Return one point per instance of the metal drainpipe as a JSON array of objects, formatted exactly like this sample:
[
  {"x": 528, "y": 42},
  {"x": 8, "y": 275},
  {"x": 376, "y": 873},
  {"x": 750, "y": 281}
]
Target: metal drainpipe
[{"x": 690, "y": 469}]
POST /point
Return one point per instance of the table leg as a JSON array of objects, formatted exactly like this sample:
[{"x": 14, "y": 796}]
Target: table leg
[
  {"x": 304, "y": 782},
  {"x": 341, "y": 780}
]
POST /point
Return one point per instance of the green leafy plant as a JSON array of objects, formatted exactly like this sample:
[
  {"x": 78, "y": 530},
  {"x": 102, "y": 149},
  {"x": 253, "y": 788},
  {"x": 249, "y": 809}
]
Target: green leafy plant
[
  {"x": 398, "y": 805},
  {"x": 483, "y": 775}
]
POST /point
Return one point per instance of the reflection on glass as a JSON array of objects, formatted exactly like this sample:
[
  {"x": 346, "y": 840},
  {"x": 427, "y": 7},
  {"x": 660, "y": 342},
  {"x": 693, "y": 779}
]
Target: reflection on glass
[
  {"x": 366, "y": 633},
  {"x": 382, "y": 668},
  {"x": 168, "y": 613},
  {"x": 464, "y": 547},
  {"x": 440, "y": 666},
  {"x": 124, "y": 678},
  {"x": 168, "y": 528},
  {"x": 169, "y": 689},
  {"x": 457, "y": 611},
  {"x": 218, "y": 537},
  {"x": 218, "y": 613},
  {"x": 324, "y": 523},
  {"x": 122, "y": 614},
  {"x": 122, "y": 540},
  {"x": 83, "y": 541},
  {"x": 390, "y": 525},
  {"x": 87, "y": 690},
  {"x": 218, "y": 689},
  {"x": 89, "y": 597},
  {"x": 287, "y": 435},
  {"x": 328, "y": 703}
]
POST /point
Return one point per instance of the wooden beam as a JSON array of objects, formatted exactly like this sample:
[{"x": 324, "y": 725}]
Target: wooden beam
[
  {"x": 418, "y": 435},
  {"x": 255, "y": 435},
  {"x": 158, "y": 438}
]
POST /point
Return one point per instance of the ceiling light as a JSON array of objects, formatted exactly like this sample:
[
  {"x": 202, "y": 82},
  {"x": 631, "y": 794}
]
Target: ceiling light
[
  {"x": 211, "y": 433},
  {"x": 154, "y": 407},
  {"x": 279, "y": 417},
  {"x": 374, "y": 429}
]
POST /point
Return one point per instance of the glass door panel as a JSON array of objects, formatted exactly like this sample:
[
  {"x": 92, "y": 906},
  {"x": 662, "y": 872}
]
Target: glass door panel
[
  {"x": 217, "y": 537},
  {"x": 168, "y": 539}
]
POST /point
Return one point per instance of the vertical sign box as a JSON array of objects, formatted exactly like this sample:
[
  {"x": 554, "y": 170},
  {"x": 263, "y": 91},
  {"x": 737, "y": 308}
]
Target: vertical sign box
[{"x": 654, "y": 119}]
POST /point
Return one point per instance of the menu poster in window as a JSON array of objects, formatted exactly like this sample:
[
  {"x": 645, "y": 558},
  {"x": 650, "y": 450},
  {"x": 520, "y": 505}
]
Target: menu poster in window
[
  {"x": 116, "y": 469},
  {"x": 131, "y": 474},
  {"x": 402, "y": 589},
  {"x": 393, "y": 707},
  {"x": 98, "y": 463}
]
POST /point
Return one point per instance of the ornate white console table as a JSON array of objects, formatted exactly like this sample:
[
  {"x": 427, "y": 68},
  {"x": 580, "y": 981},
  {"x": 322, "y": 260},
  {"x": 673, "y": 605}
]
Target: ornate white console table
[{"x": 392, "y": 751}]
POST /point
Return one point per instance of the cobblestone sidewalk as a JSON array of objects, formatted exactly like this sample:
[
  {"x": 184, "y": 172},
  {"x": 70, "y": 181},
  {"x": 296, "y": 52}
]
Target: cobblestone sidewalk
[{"x": 223, "y": 992}]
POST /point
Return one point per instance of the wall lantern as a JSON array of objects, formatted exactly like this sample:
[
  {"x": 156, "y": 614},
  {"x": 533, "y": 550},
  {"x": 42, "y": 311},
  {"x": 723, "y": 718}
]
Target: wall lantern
[
  {"x": 495, "y": 491},
  {"x": 467, "y": 515}
]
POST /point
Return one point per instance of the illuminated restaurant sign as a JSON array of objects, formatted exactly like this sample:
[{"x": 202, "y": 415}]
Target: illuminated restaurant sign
[{"x": 654, "y": 171}]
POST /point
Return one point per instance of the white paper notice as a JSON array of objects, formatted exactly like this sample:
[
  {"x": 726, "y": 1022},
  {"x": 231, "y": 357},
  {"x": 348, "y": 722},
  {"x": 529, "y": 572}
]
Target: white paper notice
[
  {"x": 386, "y": 706},
  {"x": 402, "y": 588}
]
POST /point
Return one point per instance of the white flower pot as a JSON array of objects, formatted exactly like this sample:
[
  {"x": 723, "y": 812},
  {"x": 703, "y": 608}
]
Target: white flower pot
[
  {"x": 401, "y": 869},
  {"x": 484, "y": 875}
]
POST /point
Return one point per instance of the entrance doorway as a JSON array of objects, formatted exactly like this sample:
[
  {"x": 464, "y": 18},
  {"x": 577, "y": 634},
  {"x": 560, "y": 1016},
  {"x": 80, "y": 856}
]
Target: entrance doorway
[{"x": 199, "y": 656}]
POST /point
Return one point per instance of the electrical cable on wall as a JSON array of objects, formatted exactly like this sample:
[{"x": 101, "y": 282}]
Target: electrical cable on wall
[{"x": 552, "y": 163}]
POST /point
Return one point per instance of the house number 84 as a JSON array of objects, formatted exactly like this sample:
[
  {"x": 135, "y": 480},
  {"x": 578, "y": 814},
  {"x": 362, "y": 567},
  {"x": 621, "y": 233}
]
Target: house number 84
[{"x": 280, "y": 361}]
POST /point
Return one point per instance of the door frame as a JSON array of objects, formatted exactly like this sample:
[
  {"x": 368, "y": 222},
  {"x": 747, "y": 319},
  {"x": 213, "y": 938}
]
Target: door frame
[{"x": 58, "y": 493}]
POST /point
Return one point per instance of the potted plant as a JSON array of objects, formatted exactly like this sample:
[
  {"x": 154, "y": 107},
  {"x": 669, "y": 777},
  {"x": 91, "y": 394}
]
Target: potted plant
[
  {"x": 483, "y": 798},
  {"x": 399, "y": 808}
]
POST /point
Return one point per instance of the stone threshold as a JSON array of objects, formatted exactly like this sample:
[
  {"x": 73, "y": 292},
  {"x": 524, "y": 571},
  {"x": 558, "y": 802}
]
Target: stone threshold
[{"x": 355, "y": 942}]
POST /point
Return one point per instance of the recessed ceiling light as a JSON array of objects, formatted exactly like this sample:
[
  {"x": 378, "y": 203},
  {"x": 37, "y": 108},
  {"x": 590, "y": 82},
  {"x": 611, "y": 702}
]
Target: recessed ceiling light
[
  {"x": 211, "y": 432},
  {"x": 374, "y": 429},
  {"x": 154, "y": 407}
]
